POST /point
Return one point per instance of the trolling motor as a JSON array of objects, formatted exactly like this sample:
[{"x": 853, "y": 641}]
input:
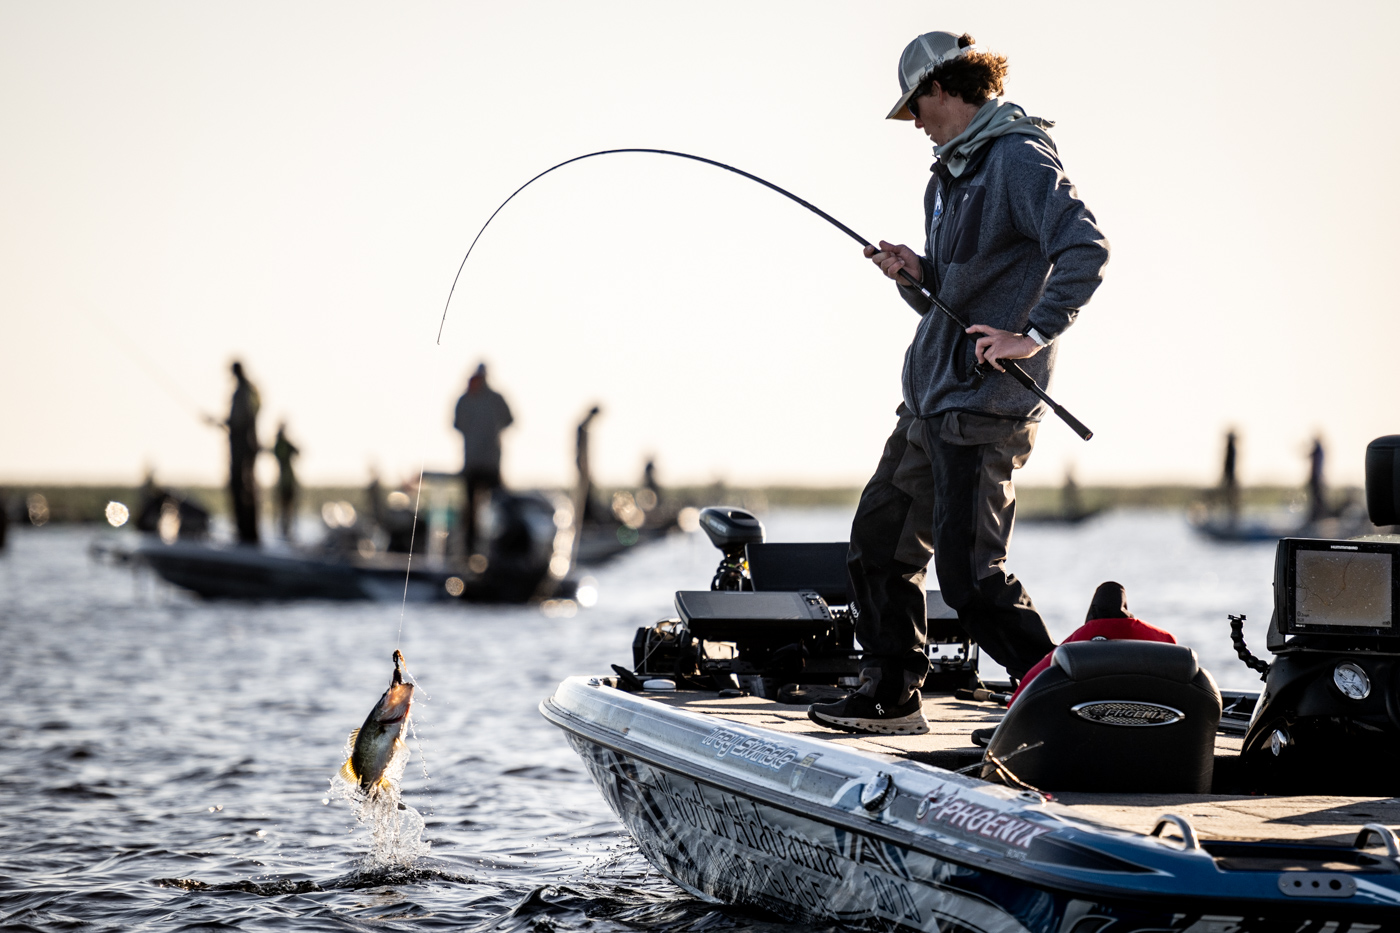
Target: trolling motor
[
  {"x": 778, "y": 615},
  {"x": 732, "y": 531},
  {"x": 1328, "y": 720}
]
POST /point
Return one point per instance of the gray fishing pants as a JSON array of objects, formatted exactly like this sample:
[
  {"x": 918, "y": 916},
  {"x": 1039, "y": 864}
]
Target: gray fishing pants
[{"x": 943, "y": 487}]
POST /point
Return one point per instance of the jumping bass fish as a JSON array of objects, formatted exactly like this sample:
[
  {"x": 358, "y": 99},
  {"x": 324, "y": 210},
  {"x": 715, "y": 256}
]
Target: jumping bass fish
[{"x": 377, "y": 741}]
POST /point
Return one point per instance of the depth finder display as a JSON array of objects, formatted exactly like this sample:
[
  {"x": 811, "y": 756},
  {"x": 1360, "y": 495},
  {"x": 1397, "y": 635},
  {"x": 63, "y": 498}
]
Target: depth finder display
[{"x": 1343, "y": 587}]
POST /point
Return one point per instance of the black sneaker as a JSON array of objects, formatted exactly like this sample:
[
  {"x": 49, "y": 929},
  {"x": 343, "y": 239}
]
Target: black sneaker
[{"x": 859, "y": 713}]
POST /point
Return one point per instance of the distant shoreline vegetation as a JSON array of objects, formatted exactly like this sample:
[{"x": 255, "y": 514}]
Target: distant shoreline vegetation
[{"x": 71, "y": 503}]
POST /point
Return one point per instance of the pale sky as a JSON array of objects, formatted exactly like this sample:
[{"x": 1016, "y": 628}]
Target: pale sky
[{"x": 295, "y": 184}]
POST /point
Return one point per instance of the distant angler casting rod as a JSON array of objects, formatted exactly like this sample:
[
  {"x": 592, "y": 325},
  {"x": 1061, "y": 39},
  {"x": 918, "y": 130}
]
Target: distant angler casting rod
[{"x": 1011, "y": 366}]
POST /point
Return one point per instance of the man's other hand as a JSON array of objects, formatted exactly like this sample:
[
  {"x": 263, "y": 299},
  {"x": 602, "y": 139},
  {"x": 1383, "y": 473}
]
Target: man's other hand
[
  {"x": 997, "y": 345},
  {"x": 891, "y": 259}
]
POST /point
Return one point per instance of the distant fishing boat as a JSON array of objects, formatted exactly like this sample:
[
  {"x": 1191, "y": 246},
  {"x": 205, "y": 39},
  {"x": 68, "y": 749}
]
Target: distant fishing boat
[
  {"x": 1072, "y": 510},
  {"x": 524, "y": 560},
  {"x": 1247, "y": 529},
  {"x": 1060, "y": 518}
]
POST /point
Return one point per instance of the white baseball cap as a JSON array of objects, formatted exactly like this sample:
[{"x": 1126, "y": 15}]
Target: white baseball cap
[{"x": 920, "y": 58}]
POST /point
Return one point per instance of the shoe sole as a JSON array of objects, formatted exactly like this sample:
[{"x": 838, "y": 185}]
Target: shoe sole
[{"x": 913, "y": 724}]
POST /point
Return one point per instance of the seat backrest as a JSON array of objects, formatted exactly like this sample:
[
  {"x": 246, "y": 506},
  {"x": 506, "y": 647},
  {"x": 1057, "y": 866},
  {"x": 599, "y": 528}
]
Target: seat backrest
[
  {"x": 1125, "y": 716},
  {"x": 1084, "y": 660}
]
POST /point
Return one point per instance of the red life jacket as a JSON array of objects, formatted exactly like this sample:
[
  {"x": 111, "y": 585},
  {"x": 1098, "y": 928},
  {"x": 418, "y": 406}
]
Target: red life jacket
[{"x": 1109, "y": 629}]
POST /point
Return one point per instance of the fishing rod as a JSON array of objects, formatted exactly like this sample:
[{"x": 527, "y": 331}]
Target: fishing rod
[
  {"x": 157, "y": 375},
  {"x": 1011, "y": 366}
]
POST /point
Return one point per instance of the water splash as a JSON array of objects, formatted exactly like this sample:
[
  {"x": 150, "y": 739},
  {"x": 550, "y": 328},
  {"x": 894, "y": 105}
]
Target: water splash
[{"x": 396, "y": 829}]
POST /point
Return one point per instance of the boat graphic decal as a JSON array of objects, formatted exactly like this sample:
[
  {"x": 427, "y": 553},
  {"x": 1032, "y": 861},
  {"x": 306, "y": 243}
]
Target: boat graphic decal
[
  {"x": 741, "y": 822},
  {"x": 729, "y": 744},
  {"x": 1128, "y": 713},
  {"x": 956, "y": 812}
]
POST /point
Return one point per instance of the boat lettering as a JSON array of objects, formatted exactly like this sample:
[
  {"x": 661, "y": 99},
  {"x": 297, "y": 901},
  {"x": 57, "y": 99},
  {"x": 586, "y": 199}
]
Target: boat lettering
[
  {"x": 892, "y": 897},
  {"x": 743, "y": 872},
  {"x": 743, "y": 822},
  {"x": 974, "y": 819},
  {"x": 733, "y": 745}
]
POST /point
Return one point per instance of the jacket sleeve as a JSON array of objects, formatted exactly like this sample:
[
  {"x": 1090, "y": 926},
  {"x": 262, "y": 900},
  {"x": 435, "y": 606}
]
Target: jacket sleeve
[
  {"x": 1046, "y": 208},
  {"x": 912, "y": 296}
]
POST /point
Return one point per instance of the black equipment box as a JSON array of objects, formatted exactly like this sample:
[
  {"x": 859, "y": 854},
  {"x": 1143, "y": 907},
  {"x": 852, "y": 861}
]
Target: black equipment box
[
  {"x": 744, "y": 616},
  {"x": 819, "y": 567}
]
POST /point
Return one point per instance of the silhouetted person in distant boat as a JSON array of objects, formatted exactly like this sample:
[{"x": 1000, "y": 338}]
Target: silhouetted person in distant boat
[
  {"x": 584, "y": 507},
  {"x": 482, "y": 414},
  {"x": 284, "y": 450},
  {"x": 243, "y": 454},
  {"x": 374, "y": 492},
  {"x": 1229, "y": 484},
  {"x": 1071, "y": 503},
  {"x": 1317, "y": 490}
]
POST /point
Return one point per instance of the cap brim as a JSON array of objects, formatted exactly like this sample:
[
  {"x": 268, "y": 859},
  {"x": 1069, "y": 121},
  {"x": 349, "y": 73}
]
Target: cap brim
[{"x": 901, "y": 107}]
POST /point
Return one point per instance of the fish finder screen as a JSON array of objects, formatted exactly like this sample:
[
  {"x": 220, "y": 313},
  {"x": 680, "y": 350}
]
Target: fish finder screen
[{"x": 1343, "y": 588}]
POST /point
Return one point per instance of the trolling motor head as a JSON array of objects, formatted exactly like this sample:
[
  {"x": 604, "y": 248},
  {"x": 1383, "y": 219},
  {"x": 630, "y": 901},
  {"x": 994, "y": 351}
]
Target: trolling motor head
[{"x": 731, "y": 530}]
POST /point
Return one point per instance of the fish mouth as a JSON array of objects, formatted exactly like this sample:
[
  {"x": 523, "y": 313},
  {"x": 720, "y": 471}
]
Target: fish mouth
[{"x": 397, "y": 702}]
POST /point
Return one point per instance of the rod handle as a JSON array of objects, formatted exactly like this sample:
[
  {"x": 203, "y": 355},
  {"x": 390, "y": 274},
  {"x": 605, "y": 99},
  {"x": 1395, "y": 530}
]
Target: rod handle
[
  {"x": 1025, "y": 378},
  {"x": 1075, "y": 425}
]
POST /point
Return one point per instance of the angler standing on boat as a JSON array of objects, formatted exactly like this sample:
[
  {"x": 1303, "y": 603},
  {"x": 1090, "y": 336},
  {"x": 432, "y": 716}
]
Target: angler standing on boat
[
  {"x": 1229, "y": 482},
  {"x": 243, "y": 454},
  {"x": 1012, "y": 249},
  {"x": 285, "y": 451},
  {"x": 1317, "y": 487},
  {"x": 482, "y": 414}
]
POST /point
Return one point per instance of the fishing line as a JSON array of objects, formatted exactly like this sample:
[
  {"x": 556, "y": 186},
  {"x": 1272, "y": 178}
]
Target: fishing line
[
  {"x": 408, "y": 568},
  {"x": 1011, "y": 367}
]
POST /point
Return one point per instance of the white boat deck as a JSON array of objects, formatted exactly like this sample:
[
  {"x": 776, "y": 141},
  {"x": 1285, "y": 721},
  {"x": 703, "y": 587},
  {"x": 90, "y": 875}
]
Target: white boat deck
[{"x": 948, "y": 745}]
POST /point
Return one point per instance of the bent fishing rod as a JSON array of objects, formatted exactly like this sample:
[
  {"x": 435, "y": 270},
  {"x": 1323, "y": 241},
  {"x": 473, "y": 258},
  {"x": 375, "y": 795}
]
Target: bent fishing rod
[{"x": 1010, "y": 366}]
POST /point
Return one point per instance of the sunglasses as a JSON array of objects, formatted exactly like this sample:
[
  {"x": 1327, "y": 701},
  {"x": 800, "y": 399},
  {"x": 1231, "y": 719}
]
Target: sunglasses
[{"x": 924, "y": 88}]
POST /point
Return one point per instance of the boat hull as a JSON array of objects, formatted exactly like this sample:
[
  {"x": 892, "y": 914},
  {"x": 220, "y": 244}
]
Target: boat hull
[
  {"x": 251, "y": 573},
  {"x": 775, "y": 821}
]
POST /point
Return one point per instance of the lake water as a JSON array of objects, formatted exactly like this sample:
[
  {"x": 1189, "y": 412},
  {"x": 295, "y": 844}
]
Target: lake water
[{"x": 165, "y": 763}]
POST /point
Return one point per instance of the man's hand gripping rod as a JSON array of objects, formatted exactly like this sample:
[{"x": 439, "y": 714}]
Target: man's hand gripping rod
[{"x": 1023, "y": 377}]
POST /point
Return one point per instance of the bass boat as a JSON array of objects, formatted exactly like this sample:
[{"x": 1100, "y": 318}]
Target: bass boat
[{"x": 1121, "y": 791}]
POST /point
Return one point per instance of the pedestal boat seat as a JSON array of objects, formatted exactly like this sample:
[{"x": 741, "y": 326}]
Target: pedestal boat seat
[{"x": 1112, "y": 716}]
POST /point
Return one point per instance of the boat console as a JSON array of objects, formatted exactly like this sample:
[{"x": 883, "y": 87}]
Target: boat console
[{"x": 1328, "y": 720}]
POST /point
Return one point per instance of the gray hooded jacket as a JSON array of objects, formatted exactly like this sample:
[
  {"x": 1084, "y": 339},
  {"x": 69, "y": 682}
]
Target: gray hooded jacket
[{"x": 1009, "y": 244}]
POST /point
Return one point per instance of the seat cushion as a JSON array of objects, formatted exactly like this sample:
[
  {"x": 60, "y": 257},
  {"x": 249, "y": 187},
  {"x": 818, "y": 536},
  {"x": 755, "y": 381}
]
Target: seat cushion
[{"x": 1088, "y": 659}]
